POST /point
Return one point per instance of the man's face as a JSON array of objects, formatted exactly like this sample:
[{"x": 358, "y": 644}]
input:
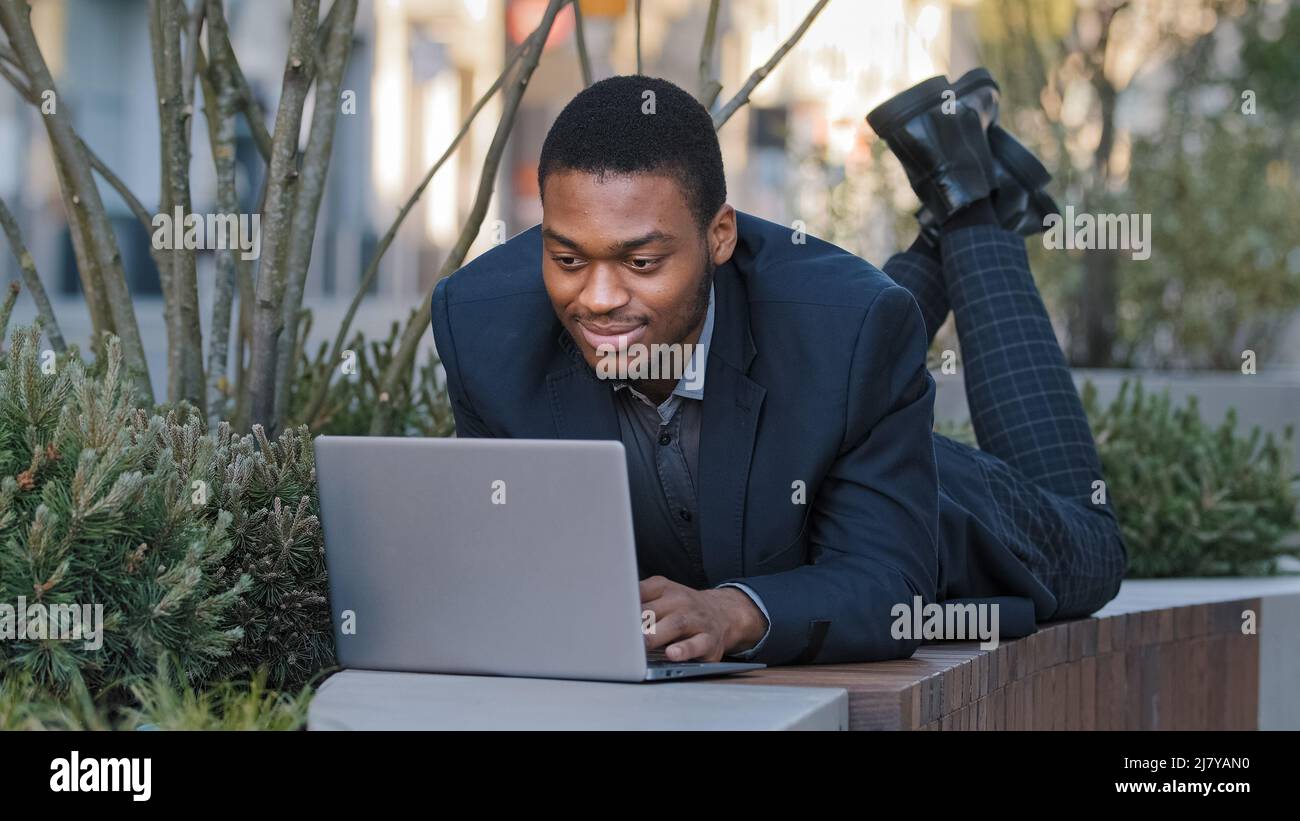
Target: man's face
[{"x": 623, "y": 256}]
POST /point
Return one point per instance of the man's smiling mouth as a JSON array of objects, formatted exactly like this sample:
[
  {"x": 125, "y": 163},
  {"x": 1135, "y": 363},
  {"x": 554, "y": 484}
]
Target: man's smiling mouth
[{"x": 597, "y": 335}]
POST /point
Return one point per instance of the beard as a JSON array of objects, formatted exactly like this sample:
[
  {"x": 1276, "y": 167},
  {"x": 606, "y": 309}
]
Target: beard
[{"x": 700, "y": 305}]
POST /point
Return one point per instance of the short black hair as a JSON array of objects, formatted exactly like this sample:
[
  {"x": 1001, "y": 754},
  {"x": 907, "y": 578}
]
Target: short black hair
[{"x": 614, "y": 127}]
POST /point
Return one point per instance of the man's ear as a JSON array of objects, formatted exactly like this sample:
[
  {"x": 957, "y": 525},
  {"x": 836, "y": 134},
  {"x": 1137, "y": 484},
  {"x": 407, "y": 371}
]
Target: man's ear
[{"x": 722, "y": 234}]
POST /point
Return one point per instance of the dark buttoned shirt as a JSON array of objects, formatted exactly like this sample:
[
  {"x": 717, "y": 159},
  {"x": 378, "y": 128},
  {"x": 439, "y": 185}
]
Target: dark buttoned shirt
[{"x": 663, "y": 451}]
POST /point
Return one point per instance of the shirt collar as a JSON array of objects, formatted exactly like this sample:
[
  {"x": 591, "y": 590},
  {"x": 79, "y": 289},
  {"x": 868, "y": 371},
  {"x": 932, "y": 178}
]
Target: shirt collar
[{"x": 691, "y": 383}]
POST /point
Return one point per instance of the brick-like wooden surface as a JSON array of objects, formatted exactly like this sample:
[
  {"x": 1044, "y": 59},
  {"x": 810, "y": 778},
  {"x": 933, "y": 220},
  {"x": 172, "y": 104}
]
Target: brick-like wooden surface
[{"x": 1176, "y": 668}]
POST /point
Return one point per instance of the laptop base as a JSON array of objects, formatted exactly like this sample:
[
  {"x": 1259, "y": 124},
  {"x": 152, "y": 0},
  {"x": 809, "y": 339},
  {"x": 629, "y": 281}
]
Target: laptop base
[{"x": 671, "y": 670}]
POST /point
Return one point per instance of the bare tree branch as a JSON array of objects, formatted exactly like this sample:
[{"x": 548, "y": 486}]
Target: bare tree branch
[
  {"x": 584, "y": 59},
  {"x": 636, "y": 13},
  {"x": 331, "y": 67},
  {"x": 132, "y": 202},
  {"x": 191, "y": 66},
  {"x": 268, "y": 313},
  {"x": 96, "y": 163},
  {"x": 367, "y": 280},
  {"x": 741, "y": 97},
  {"x": 244, "y": 341},
  {"x": 115, "y": 182},
  {"x": 7, "y": 307},
  {"x": 404, "y": 357},
  {"x": 221, "y": 96},
  {"x": 166, "y": 256},
  {"x": 98, "y": 245},
  {"x": 7, "y": 54},
  {"x": 231, "y": 268},
  {"x": 88, "y": 266},
  {"x": 709, "y": 87},
  {"x": 25, "y": 262},
  {"x": 175, "y": 107},
  {"x": 221, "y": 49},
  {"x": 246, "y": 289},
  {"x": 19, "y": 84}
]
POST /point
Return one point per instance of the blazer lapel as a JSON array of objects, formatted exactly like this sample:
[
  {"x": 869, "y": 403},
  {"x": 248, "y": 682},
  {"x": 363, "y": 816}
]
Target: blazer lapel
[{"x": 732, "y": 402}]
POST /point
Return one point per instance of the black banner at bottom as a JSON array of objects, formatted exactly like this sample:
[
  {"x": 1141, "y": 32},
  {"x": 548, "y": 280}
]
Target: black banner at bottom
[{"x": 145, "y": 770}]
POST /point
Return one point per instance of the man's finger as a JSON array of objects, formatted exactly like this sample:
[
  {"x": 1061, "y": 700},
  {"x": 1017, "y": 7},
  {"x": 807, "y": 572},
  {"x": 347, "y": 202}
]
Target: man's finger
[
  {"x": 668, "y": 599},
  {"x": 670, "y": 628},
  {"x": 702, "y": 646},
  {"x": 654, "y": 587}
]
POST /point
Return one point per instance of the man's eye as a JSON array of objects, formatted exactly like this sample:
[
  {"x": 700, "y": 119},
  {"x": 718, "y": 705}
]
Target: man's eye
[
  {"x": 643, "y": 263},
  {"x": 566, "y": 261}
]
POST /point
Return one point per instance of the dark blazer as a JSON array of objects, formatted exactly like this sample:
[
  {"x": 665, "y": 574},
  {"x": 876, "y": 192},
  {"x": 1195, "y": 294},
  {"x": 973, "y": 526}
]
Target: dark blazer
[{"x": 816, "y": 375}]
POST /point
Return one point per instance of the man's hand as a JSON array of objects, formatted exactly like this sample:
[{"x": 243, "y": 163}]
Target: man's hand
[{"x": 700, "y": 624}]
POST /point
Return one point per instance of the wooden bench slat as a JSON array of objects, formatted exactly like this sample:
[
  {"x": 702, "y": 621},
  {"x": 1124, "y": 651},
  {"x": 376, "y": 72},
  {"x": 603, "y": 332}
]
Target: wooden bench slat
[{"x": 1140, "y": 663}]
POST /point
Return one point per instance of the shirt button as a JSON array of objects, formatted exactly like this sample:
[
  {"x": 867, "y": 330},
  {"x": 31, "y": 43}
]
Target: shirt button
[
  {"x": 685, "y": 514},
  {"x": 665, "y": 438}
]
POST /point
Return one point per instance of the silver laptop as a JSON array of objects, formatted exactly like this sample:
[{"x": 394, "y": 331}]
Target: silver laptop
[{"x": 508, "y": 557}]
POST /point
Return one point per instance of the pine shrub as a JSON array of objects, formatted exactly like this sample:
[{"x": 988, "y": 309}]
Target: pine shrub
[
  {"x": 201, "y": 547},
  {"x": 95, "y": 510},
  {"x": 269, "y": 490},
  {"x": 1194, "y": 499}
]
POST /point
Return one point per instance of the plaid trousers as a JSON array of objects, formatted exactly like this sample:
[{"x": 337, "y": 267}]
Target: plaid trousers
[{"x": 1036, "y": 457}]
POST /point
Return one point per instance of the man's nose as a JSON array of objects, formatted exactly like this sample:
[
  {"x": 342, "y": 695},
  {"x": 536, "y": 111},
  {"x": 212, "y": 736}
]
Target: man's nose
[{"x": 604, "y": 292}]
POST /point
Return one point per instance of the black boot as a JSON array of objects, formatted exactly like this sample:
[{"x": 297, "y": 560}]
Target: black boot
[
  {"x": 1019, "y": 178},
  {"x": 1019, "y": 200},
  {"x": 940, "y": 140}
]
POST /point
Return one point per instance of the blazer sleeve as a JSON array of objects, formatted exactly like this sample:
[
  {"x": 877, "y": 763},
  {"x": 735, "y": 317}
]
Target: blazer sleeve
[
  {"x": 874, "y": 523},
  {"x": 468, "y": 423}
]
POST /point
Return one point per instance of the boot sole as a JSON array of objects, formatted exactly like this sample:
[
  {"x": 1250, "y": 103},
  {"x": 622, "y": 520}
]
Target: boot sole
[
  {"x": 1020, "y": 161},
  {"x": 1029, "y": 172}
]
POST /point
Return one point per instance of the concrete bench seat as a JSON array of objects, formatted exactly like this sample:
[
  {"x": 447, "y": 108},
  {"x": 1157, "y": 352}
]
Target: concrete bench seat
[
  {"x": 1165, "y": 654},
  {"x": 372, "y": 700}
]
